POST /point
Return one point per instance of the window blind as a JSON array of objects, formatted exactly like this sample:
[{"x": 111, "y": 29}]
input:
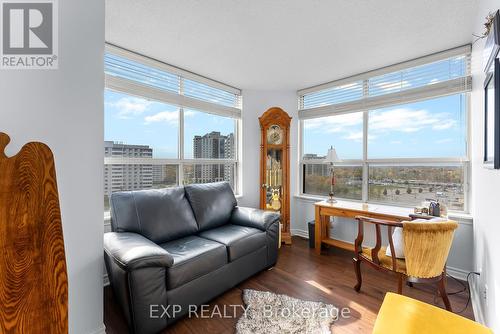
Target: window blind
[
  {"x": 205, "y": 92},
  {"x": 135, "y": 74},
  {"x": 337, "y": 94},
  {"x": 132, "y": 70},
  {"x": 435, "y": 75}
]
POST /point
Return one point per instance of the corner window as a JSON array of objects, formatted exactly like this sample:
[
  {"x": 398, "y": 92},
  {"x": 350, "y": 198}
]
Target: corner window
[
  {"x": 163, "y": 130},
  {"x": 401, "y": 135}
]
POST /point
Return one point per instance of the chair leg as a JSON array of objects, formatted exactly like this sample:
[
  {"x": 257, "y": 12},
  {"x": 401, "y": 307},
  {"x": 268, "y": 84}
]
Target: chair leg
[
  {"x": 442, "y": 292},
  {"x": 357, "y": 270},
  {"x": 400, "y": 283}
]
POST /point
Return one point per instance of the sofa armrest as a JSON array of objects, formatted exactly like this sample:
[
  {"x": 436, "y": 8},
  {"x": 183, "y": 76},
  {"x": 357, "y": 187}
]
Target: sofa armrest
[
  {"x": 132, "y": 251},
  {"x": 256, "y": 218}
]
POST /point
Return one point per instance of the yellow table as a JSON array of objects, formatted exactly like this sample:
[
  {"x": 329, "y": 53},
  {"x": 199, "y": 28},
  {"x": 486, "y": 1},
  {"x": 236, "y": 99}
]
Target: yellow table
[{"x": 404, "y": 315}]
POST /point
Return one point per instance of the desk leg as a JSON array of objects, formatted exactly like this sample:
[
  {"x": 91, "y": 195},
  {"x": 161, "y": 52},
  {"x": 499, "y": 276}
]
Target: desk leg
[
  {"x": 326, "y": 226},
  {"x": 318, "y": 229}
]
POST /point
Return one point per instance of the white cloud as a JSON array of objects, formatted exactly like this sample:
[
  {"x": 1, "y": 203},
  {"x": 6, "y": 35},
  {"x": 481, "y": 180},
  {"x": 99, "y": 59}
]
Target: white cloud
[
  {"x": 356, "y": 136},
  {"x": 189, "y": 113},
  {"x": 446, "y": 124},
  {"x": 409, "y": 120},
  {"x": 335, "y": 124},
  {"x": 130, "y": 106},
  {"x": 170, "y": 117}
]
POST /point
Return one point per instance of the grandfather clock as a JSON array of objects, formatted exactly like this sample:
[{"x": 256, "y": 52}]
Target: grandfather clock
[{"x": 275, "y": 166}]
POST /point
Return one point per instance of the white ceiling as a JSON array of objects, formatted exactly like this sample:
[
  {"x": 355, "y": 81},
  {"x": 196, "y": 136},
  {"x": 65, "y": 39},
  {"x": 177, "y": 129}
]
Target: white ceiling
[{"x": 286, "y": 44}]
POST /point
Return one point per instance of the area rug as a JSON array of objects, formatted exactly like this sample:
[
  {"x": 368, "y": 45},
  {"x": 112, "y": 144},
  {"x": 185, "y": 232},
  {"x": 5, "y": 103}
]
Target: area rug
[{"x": 270, "y": 313}]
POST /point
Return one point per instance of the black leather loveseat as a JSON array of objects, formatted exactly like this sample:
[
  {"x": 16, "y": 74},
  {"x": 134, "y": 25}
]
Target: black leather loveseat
[{"x": 182, "y": 246}]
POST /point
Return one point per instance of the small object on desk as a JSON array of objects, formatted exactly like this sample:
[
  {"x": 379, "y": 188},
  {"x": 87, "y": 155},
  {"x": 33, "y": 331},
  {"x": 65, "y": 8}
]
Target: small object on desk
[
  {"x": 444, "y": 210},
  {"x": 420, "y": 216},
  {"x": 434, "y": 209}
]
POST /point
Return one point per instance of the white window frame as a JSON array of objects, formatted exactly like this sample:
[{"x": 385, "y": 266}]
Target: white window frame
[
  {"x": 133, "y": 88},
  {"x": 365, "y": 162}
]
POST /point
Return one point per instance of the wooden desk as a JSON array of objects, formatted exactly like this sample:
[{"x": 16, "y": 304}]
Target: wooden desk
[{"x": 325, "y": 210}]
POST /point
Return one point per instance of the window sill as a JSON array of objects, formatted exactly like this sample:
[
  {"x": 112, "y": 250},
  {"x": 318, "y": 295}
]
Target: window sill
[{"x": 462, "y": 217}]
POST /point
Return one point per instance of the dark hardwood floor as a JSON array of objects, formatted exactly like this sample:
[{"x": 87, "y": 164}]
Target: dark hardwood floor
[{"x": 302, "y": 274}]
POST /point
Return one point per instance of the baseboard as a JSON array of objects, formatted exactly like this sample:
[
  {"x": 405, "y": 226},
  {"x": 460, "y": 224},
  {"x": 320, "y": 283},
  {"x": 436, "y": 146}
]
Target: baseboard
[
  {"x": 455, "y": 272},
  {"x": 100, "y": 330},
  {"x": 475, "y": 298},
  {"x": 300, "y": 233}
]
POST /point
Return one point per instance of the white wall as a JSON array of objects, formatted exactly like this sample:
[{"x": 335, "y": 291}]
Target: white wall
[
  {"x": 64, "y": 109},
  {"x": 255, "y": 103},
  {"x": 485, "y": 193}
]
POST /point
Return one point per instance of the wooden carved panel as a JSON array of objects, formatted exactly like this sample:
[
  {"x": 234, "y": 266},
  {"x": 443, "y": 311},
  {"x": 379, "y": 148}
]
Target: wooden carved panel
[{"x": 33, "y": 277}]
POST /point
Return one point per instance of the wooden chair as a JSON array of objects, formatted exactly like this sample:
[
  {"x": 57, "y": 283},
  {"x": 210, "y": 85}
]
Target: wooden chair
[{"x": 426, "y": 247}]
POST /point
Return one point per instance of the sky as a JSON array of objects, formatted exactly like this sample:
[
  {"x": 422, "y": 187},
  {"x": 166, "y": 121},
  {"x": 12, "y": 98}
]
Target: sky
[
  {"x": 134, "y": 120},
  {"x": 426, "y": 129}
]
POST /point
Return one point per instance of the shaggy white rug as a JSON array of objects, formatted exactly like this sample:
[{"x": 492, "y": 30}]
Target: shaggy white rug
[{"x": 270, "y": 313}]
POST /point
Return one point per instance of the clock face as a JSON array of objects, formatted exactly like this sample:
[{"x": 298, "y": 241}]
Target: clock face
[{"x": 275, "y": 135}]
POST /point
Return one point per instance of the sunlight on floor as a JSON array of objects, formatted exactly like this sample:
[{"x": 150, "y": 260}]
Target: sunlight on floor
[{"x": 319, "y": 286}]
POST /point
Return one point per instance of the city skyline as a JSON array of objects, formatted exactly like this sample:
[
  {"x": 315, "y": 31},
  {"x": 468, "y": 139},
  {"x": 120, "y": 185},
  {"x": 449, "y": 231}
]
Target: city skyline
[{"x": 126, "y": 177}]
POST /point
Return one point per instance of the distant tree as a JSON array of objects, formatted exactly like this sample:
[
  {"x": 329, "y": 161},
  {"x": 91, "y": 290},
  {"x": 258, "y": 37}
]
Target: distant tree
[
  {"x": 385, "y": 192},
  {"x": 398, "y": 192},
  {"x": 408, "y": 190},
  {"x": 420, "y": 190}
]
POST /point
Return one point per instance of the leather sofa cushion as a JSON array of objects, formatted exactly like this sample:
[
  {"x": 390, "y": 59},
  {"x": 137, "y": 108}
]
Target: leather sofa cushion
[
  {"x": 193, "y": 258},
  {"x": 240, "y": 240},
  {"x": 160, "y": 215},
  {"x": 212, "y": 203}
]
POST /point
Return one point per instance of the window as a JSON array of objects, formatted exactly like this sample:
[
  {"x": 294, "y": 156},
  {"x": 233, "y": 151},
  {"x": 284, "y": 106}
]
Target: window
[
  {"x": 165, "y": 127},
  {"x": 349, "y": 180},
  {"x": 414, "y": 184},
  {"x": 345, "y": 131},
  {"x": 433, "y": 128},
  {"x": 402, "y": 137}
]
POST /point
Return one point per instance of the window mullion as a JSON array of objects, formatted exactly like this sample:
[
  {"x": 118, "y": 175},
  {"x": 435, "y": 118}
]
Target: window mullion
[
  {"x": 364, "y": 183},
  {"x": 181, "y": 134}
]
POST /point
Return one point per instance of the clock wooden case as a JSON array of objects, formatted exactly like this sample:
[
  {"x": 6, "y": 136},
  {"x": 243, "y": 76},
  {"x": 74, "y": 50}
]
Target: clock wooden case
[{"x": 275, "y": 166}]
